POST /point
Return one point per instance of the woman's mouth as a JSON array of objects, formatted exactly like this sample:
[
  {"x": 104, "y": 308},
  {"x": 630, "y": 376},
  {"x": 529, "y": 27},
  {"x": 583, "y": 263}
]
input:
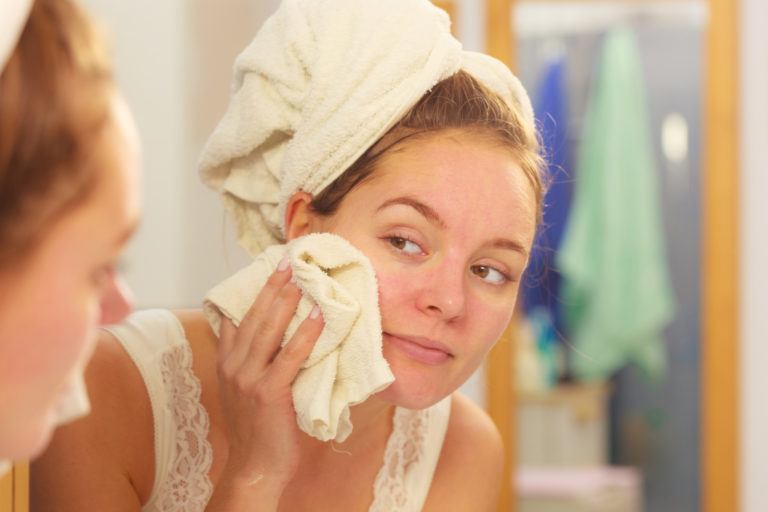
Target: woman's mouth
[{"x": 423, "y": 350}]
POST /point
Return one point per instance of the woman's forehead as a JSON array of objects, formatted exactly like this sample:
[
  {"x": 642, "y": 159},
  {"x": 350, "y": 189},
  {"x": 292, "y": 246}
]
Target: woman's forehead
[
  {"x": 461, "y": 180},
  {"x": 449, "y": 159}
]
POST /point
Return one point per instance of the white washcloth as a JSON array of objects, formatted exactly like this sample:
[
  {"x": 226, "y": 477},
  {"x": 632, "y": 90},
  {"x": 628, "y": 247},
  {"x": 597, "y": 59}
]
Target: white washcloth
[
  {"x": 346, "y": 365},
  {"x": 321, "y": 82}
]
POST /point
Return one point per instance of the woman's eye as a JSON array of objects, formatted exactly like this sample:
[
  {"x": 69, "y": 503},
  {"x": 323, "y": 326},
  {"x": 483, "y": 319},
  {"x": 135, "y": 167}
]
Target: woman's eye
[
  {"x": 404, "y": 245},
  {"x": 489, "y": 274}
]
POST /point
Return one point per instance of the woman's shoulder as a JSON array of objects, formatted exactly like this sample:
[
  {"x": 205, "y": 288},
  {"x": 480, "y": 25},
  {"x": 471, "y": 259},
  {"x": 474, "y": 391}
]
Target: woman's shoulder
[
  {"x": 113, "y": 445},
  {"x": 180, "y": 340},
  {"x": 468, "y": 474},
  {"x": 195, "y": 327},
  {"x": 469, "y": 419}
]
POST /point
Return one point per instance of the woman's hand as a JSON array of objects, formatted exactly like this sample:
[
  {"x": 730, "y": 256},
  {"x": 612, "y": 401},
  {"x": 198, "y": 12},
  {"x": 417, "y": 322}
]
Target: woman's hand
[{"x": 255, "y": 377}]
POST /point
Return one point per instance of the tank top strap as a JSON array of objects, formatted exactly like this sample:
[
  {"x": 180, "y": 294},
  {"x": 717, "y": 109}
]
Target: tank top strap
[
  {"x": 156, "y": 342},
  {"x": 410, "y": 458}
]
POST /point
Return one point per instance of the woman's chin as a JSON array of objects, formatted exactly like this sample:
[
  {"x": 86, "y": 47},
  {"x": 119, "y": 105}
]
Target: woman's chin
[
  {"x": 416, "y": 385},
  {"x": 406, "y": 393}
]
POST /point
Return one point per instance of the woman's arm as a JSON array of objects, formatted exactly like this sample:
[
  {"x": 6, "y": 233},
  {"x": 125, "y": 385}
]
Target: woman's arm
[
  {"x": 104, "y": 461},
  {"x": 468, "y": 474}
]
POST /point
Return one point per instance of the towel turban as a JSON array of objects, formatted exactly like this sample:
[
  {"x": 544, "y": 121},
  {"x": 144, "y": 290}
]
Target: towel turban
[{"x": 322, "y": 82}]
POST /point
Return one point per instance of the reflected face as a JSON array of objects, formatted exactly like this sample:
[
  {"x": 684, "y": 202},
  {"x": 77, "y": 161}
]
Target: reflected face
[
  {"x": 52, "y": 304},
  {"x": 447, "y": 221}
]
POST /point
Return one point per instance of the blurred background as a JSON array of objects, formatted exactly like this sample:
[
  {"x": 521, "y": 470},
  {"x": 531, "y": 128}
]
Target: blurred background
[{"x": 650, "y": 401}]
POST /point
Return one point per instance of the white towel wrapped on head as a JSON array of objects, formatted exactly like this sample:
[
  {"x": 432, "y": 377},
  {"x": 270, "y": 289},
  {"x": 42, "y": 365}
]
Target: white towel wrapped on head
[
  {"x": 346, "y": 365},
  {"x": 320, "y": 83}
]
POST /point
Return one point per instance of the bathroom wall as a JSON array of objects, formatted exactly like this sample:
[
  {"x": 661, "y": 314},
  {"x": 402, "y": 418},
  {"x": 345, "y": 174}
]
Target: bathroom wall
[
  {"x": 754, "y": 254},
  {"x": 173, "y": 62}
]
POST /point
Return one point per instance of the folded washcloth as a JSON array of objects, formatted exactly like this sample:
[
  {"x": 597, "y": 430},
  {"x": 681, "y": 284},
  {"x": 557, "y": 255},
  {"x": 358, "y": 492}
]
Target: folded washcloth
[
  {"x": 321, "y": 82},
  {"x": 346, "y": 365}
]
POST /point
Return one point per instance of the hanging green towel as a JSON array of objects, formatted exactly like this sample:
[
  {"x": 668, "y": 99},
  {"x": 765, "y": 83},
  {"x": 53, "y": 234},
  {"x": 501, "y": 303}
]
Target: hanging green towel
[{"x": 616, "y": 291}]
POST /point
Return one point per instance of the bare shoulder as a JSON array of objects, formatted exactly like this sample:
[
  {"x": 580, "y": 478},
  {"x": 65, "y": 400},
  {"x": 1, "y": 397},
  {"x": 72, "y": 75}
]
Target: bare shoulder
[
  {"x": 110, "y": 449},
  {"x": 468, "y": 474},
  {"x": 195, "y": 325}
]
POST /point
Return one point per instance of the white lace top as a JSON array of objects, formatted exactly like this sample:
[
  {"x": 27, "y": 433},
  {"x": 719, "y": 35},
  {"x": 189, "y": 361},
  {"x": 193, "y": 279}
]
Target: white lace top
[{"x": 156, "y": 342}]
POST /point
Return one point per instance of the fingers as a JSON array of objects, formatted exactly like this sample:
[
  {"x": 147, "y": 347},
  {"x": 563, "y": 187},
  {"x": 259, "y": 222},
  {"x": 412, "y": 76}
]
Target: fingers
[
  {"x": 279, "y": 279},
  {"x": 266, "y": 319},
  {"x": 272, "y": 327},
  {"x": 288, "y": 361},
  {"x": 227, "y": 332},
  {"x": 251, "y": 351}
]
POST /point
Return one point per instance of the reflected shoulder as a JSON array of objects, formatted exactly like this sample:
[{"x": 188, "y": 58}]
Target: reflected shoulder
[{"x": 468, "y": 476}]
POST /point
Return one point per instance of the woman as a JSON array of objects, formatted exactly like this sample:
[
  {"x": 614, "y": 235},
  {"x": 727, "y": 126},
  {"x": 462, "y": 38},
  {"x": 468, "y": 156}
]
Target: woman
[
  {"x": 423, "y": 157},
  {"x": 68, "y": 203}
]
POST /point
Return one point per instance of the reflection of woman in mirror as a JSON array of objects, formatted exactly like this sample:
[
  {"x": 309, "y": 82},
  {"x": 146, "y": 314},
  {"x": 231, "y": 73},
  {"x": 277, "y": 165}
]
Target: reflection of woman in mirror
[
  {"x": 364, "y": 119},
  {"x": 68, "y": 202}
]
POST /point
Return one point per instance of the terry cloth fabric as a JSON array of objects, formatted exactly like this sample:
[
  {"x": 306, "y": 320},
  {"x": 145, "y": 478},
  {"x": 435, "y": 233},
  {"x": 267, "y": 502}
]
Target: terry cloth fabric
[
  {"x": 541, "y": 285},
  {"x": 616, "y": 289},
  {"x": 346, "y": 365},
  {"x": 12, "y": 21},
  {"x": 322, "y": 81}
]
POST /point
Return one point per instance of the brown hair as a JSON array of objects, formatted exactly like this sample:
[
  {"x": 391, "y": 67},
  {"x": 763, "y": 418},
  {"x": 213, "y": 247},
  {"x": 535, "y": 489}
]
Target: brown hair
[
  {"x": 459, "y": 101},
  {"x": 54, "y": 95}
]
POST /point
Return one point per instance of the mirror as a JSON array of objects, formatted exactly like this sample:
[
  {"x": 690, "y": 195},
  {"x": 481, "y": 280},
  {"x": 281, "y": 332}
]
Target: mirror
[
  {"x": 175, "y": 73},
  {"x": 645, "y": 423}
]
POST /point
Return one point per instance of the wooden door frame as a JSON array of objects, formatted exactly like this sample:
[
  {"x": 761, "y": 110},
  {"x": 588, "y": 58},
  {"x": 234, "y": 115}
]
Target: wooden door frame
[{"x": 720, "y": 335}]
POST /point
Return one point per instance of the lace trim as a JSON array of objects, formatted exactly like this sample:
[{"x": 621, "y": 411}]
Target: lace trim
[
  {"x": 404, "y": 451},
  {"x": 187, "y": 487}
]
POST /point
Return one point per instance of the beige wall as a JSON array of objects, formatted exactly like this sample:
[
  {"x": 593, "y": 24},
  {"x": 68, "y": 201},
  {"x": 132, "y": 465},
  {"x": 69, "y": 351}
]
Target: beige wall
[
  {"x": 754, "y": 254},
  {"x": 173, "y": 61}
]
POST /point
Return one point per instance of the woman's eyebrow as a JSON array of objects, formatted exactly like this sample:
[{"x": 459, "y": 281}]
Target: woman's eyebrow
[
  {"x": 426, "y": 211},
  {"x": 506, "y": 243},
  {"x": 432, "y": 216}
]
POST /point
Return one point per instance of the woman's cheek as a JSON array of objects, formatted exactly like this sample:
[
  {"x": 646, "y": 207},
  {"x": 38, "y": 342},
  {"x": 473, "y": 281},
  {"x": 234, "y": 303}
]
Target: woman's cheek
[
  {"x": 393, "y": 287},
  {"x": 494, "y": 319}
]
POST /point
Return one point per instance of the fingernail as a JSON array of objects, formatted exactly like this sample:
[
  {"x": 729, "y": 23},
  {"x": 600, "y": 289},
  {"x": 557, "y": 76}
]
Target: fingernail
[
  {"x": 283, "y": 265},
  {"x": 315, "y": 312}
]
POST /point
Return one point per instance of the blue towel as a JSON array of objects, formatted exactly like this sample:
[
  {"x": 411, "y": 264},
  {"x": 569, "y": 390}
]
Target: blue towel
[
  {"x": 542, "y": 279},
  {"x": 616, "y": 289}
]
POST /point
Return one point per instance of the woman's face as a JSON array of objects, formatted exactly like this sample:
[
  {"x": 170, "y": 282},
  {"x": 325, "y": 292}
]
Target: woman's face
[
  {"x": 52, "y": 303},
  {"x": 447, "y": 221}
]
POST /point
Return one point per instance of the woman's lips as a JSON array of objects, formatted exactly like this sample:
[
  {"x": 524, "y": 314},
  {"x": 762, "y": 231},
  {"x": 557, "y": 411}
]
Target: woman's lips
[{"x": 420, "y": 349}]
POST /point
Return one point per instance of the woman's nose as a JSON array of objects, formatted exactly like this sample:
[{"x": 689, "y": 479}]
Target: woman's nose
[
  {"x": 443, "y": 294},
  {"x": 116, "y": 302}
]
